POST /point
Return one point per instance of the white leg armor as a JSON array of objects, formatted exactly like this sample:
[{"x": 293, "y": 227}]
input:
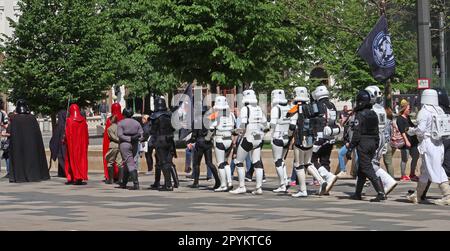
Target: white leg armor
[
  {"x": 259, "y": 172},
  {"x": 220, "y": 157},
  {"x": 302, "y": 179},
  {"x": 329, "y": 177},
  {"x": 323, "y": 184},
  {"x": 259, "y": 178},
  {"x": 282, "y": 187},
  {"x": 445, "y": 189},
  {"x": 278, "y": 154},
  {"x": 302, "y": 158},
  {"x": 305, "y": 159},
  {"x": 229, "y": 176},
  {"x": 417, "y": 195},
  {"x": 223, "y": 185},
  {"x": 239, "y": 161},
  {"x": 241, "y": 173},
  {"x": 286, "y": 179},
  {"x": 388, "y": 182}
]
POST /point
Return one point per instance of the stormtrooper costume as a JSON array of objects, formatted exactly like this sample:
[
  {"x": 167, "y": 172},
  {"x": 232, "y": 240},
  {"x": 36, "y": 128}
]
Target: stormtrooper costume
[
  {"x": 253, "y": 125},
  {"x": 221, "y": 127},
  {"x": 431, "y": 133},
  {"x": 445, "y": 105},
  {"x": 376, "y": 100},
  {"x": 279, "y": 123},
  {"x": 302, "y": 117},
  {"x": 327, "y": 129}
]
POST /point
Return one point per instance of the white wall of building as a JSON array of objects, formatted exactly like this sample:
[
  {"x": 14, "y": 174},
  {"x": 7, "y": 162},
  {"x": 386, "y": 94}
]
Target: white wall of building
[{"x": 8, "y": 8}]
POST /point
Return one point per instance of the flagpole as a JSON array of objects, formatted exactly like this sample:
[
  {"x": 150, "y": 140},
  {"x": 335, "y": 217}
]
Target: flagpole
[{"x": 387, "y": 83}]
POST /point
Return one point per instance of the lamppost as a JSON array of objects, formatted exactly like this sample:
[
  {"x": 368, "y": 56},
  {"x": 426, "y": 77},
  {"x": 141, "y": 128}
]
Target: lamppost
[{"x": 424, "y": 38}]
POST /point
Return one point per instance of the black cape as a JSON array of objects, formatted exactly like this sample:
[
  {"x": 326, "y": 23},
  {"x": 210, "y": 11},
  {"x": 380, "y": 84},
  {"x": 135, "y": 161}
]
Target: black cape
[
  {"x": 27, "y": 153},
  {"x": 57, "y": 147}
]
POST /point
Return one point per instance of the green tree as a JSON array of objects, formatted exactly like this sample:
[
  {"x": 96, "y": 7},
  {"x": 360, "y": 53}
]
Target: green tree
[
  {"x": 131, "y": 42},
  {"x": 55, "y": 54},
  {"x": 225, "y": 43},
  {"x": 334, "y": 30}
]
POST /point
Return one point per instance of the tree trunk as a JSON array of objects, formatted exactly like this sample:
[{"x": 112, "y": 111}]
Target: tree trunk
[{"x": 53, "y": 118}]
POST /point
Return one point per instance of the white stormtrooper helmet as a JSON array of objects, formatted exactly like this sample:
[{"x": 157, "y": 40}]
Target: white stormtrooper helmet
[
  {"x": 278, "y": 97},
  {"x": 375, "y": 94},
  {"x": 221, "y": 103},
  {"x": 320, "y": 92},
  {"x": 301, "y": 94},
  {"x": 249, "y": 97},
  {"x": 429, "y": 97}
]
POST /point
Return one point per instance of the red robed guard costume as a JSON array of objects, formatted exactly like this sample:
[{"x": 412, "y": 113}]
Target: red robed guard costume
[{"x": 77, "y": 140}]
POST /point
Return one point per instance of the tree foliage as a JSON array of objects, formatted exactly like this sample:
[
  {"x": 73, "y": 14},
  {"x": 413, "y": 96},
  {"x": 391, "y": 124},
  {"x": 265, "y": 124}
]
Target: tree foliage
[
  {"x": 334, "y": 31},
  {"x": 225, "y": 42},
  {"x": 55, "y": 54},
  {"x": 78, "y": 48},
  {"x": 131, "y": 43}
]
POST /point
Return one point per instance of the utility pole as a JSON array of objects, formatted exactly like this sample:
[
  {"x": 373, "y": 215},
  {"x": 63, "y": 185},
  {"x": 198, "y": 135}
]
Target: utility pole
[
  {"x": 387, "y": 83},
  {"x": 424, "y": 38},
  {"x": 442, "y": 49}
]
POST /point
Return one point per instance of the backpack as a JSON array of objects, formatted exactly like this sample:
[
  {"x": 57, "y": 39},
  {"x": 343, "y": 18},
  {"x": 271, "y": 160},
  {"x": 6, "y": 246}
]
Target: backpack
[{"x": 397, "y": 140}]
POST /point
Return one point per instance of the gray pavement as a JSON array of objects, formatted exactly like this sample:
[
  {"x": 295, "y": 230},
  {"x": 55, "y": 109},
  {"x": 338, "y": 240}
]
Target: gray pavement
[{"x": 51, "y": 205}]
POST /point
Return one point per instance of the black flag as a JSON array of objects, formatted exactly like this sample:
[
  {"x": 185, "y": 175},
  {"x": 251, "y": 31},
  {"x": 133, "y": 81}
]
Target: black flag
[{"x": 377, "y": 51}]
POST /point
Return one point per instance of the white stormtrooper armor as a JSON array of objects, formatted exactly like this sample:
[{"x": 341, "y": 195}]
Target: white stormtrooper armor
[
  {"x": 327, "y": 131},
  {"x": 254, "y": 124},
  {"x": 279, "y": 123},
  {"x": 300, "y": 126},
  {"x": 441, "y": 126},
  {"x": 222, "y": 127},
  {"x": 376, "y": 96},
  {"x": 431, "y": 150},
  {"x": 331, "y": 128}
]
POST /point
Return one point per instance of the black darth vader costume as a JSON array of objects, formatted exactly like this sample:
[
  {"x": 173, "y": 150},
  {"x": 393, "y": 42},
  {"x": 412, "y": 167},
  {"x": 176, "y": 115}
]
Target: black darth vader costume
[{"x": 27, "y": 153}]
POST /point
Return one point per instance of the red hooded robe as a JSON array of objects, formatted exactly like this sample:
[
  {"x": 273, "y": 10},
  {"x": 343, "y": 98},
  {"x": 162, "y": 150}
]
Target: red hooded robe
[
  {"x": 77, "y": 140},
  {"x": 116, "y": 110}
]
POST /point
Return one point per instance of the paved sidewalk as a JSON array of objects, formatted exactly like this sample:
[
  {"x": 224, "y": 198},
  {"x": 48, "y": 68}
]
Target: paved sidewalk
[{"x": 51, "y": 205}]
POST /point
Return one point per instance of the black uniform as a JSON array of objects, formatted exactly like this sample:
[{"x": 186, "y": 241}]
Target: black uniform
[
  {"x": 150, "y": 146},
  {"x": 162, "y": 130},
  {"x": 203, "y": 147},
  {"x": 322, "y": 156},
  {"x": 366, "y": 139}
]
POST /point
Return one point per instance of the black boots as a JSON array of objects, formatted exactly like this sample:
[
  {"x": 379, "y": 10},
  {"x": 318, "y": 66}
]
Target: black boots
[
  {"x": 216, "y": 177},
  {"x": 167, "y": 180},
  {"x": 378, "y": 186},
  {"x": 125, "y": 177},
  {"x": 359, "y": 187},
  {"x": 119, "y": 176},
  {"x": 134, "y": 178},
  {"x": 196, "y": 176},
  {"x": 157, "y": 183},
  {"x": 173, "y": 172},
  {"x": 110, "y": 175}
]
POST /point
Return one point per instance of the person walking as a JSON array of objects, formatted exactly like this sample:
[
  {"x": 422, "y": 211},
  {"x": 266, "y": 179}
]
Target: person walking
[
  {"x": 404, "y": 123},
  {"x": 130, "y": 133}
]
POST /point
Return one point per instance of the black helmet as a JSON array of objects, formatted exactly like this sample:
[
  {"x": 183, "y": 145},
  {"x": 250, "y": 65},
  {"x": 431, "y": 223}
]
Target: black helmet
[
  {"x": 22, "y": 107},
  {"x": 160, "y": 104},
  {"x": 363, "y": 100},
  {"x": 127, "y": 113},
  {"x": 443, "y": 97}
]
